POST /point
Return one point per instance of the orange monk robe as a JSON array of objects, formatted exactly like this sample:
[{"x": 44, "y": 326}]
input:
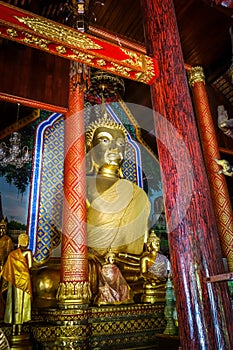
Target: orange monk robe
[
  {"x": 19, "y": 291},
  {"x": 16, "y": 271}
]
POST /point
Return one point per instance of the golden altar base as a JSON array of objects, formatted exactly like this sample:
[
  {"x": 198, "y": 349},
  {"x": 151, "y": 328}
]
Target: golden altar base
[{"x": 110, "y": 327}]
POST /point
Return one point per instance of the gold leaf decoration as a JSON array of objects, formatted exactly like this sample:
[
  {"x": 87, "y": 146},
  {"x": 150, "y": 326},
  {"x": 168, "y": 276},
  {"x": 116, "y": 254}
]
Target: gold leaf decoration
[{"x": 57, "y": 32}]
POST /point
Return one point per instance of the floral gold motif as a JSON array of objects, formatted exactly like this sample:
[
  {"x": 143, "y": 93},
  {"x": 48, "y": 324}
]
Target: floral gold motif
[
  {"x": 31, "y": 39},
  {"x": 101, "y": 62},
  {"x": 135, "y": 58},
  {"x": 61, "y": 49},
  {"x": 59, "y": 33},
  {"x": 81, "y": 56},
  {"x": 196, "y": 75},
  {"x": 121, "y": 70},
  {"x": 12, "y": 32},
  {"x": 148, "y": 71}
]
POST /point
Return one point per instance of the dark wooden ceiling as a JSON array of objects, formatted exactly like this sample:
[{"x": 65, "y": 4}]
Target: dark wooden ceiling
[{"x": 204, "y": 29}]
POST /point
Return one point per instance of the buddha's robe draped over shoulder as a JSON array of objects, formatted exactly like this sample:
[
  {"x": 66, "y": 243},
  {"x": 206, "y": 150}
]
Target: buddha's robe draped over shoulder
[{"x": 118, "y": 219}]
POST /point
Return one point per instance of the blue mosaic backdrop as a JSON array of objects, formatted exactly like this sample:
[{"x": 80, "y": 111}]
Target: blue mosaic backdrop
[{"x": 46, "y": 203}]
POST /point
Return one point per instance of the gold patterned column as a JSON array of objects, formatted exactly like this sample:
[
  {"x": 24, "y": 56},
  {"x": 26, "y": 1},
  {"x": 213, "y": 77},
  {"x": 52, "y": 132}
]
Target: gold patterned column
[
  {"x": 218, "y": 186},
  {"x": 74, "y": 287}
]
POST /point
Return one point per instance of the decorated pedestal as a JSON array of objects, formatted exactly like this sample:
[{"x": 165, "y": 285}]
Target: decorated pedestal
[{"x": 109, "y": 327}]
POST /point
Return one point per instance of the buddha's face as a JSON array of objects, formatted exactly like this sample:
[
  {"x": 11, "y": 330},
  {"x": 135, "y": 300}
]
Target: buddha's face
[
  {"x": 110, "y": 258},
  {"x": 108, "y": 146},
  {"x": 23, "y": 240},
  {"x": 2, "y": 230},
  {"x": 155, "y": 245}
]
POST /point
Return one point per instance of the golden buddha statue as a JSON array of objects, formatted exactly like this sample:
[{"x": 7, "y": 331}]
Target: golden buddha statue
[
  {"x": 16, "y": 272},
  {"x": 147, "y": 273},
  {"x": 117, "y": 219},
  {"x": 6, "y": 247},
  {"x": 6, "y": 244},
  {"x": 117, "y": 209}
]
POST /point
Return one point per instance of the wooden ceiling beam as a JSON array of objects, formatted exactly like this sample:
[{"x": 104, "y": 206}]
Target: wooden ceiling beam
[{"x": 38, "y": 32}]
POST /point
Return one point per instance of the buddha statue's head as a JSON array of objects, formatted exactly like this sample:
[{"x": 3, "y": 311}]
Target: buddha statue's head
[
  {"x": 105, "y": 142},
  {"x": 2, "y": 228},
  {"x": 110, "y": 257},
  {"x": 153, "y": 242},
  {"x": 23, "y": 240}
]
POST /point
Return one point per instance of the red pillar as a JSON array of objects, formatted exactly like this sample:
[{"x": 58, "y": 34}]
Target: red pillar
[
  {"x": 204, "y": 309},
  {"x": 74, "y": 287},
  {"x": 218, "y": 185}
]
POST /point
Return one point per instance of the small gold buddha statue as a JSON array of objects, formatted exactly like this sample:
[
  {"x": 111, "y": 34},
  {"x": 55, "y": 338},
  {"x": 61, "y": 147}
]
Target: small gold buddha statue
[{"x": 147, "y": 273}]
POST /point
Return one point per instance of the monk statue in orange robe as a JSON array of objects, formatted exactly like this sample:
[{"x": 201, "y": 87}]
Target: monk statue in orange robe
[
  {"x": 16, "y": 272},
  {"x": 6, "y": 246}
]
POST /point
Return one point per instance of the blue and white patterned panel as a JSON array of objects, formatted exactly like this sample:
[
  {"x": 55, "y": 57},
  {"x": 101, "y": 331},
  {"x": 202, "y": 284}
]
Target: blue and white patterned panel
[
  {"x": 46, "y": 201},
  {"x": 46, "y": 198}
]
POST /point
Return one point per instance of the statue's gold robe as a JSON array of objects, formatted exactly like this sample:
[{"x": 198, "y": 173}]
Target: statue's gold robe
[
  {"x": 19, "y": 291},
  {"x": 6, "y": 246},
  {"x": 117, "y": 219}
]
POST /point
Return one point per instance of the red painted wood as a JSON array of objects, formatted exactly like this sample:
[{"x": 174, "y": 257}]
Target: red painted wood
[
  {"x": 77, "y": 46},
  {"x": 223, "y": 277},
  {"x": 218, "y": 184},
  {"x": 204, "y": 309},
  {"x": 74, "y": 237}
]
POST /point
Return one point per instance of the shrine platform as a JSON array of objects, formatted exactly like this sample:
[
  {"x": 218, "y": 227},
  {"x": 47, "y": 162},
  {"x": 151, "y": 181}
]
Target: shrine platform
[{"x": 133, "y": 326}]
